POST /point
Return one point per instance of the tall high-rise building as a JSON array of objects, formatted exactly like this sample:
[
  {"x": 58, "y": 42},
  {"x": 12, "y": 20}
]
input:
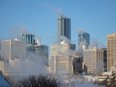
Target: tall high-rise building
[
  {"x": 83, "y": 40},
  {"x": 27, "y": 38},
  {"x": 93, "y": 60},
  {"x": 111, "y": 51},
  {"x": 63, "y": 28}
]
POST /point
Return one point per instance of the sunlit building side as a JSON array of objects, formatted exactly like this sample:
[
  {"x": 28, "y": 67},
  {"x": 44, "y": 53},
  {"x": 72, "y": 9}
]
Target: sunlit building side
[
  {"x": 111, "y": 51},
  {"x": 60, "y": 61},
  {"x": 93, "y": 61},
  {"x": 11, "y": 49}
]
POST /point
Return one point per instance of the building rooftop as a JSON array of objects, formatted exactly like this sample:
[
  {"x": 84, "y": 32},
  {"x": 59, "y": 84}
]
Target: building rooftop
[{"x": 111, "y": 35}]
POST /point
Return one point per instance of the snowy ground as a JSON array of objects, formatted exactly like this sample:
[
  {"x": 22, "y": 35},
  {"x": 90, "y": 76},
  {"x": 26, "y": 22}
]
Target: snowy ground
[{"x": 80, "y": 81}]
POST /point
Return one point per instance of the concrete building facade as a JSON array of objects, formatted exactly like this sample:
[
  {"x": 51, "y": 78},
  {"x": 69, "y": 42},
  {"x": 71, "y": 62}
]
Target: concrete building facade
[
  {"x": 93, "y": 61},
  {"x": 111, "y": 51},
  {"x": 61, "y": 62},
  {"x": 11, "y": 49}
]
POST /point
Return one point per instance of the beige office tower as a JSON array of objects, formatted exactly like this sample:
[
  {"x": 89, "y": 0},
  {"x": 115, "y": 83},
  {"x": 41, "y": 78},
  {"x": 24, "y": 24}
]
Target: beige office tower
[
  {"x": 11, "y": 52},
  {"x": 111, "y": 51},
  {"x": 12, "y": 49},
  {"x": 60, "y": 61},
  {"x": 93, "y": 60}
]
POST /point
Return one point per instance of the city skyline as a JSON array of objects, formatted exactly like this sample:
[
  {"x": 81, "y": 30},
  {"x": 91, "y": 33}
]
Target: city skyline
[
  {"x": 40, "y": 18},
  {"x": 73, "y": 41}
]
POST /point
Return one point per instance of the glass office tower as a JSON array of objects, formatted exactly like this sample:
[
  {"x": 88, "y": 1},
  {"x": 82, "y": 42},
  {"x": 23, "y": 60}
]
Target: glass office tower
[
  {"x": 27, "y": 38},
  {"x": 63, "y": 28},
  {"x": 83, "y": 40}
]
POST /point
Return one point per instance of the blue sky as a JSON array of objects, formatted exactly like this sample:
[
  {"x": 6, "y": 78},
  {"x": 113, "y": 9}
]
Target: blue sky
[{"x": 39, "y": 17}]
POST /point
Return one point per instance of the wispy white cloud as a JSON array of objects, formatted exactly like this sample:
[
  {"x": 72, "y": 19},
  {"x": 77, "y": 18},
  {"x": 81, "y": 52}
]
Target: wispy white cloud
[{"x": 56, "y": 10}]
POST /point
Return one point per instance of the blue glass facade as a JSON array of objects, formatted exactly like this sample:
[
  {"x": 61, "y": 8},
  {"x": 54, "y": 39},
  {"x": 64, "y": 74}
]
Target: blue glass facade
[
  {"x": 63, "y": 28},
  {"x": 27, "y": 38},
  {"x": 83, "y": 40}
]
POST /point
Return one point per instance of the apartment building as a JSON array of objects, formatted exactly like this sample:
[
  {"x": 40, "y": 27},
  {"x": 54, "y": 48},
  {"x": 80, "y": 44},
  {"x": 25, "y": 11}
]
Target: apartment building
[
  {"x": 111, "y": 51},
  {"x": 93, "y": 61}
]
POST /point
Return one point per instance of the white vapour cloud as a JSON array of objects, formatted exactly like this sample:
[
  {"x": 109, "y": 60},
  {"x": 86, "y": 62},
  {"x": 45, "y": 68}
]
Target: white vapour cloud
[
  {"x": 56, "y": 10},
  {"x": 80, "y": 81},
  {"x": 16, "y": 30},
  {"x": 80, "y": 31},
  {"x": 32, "y": 65},
  {"x": 96, "y": 43}
]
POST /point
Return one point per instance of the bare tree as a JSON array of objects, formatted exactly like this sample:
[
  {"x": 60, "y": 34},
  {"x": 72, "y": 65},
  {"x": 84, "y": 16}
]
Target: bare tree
[{"x": 38, "y": 81}]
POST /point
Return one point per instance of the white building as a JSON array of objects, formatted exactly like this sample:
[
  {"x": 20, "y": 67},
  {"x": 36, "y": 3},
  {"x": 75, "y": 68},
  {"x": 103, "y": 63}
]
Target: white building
[
  {"x": 61, "y": 62},
  {"x": 93, "y": 60},
  {"x": 11, "y": 49}
]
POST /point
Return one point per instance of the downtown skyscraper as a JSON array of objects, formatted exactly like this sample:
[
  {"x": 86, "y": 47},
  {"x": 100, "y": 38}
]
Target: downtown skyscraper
[
  {"x": 63, "y": 28},
  {"x": 83, "y": 40},
  {"x": 111, "y": 51}
]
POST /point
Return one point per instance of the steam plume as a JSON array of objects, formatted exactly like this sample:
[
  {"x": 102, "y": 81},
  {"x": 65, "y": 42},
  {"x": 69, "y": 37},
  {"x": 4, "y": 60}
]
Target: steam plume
[
  {"x": 56, "y": 10},
  {"x": 80, "y": 31}
]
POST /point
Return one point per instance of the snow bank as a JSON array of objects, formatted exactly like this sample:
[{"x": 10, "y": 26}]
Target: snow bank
[{"x": 81, "y": 81}]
